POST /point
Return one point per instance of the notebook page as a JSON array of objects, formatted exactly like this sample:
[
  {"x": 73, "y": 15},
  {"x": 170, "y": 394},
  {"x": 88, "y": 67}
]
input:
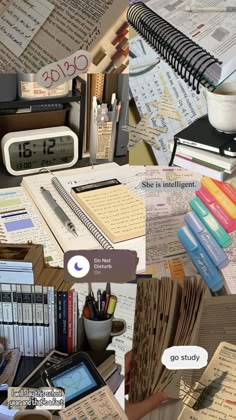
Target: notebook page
[
  {"x": 116, "y": 211},
  {"x": 215, "y": 32},
  {"x": 66, "y": 239},
  {"x": 130, "y": 176},
  {"x": 125, "y": 308},
  {"x": 53, "y": 43},
  {"x": 20, "y": 222},
  {"x": 220, "y": 375}
]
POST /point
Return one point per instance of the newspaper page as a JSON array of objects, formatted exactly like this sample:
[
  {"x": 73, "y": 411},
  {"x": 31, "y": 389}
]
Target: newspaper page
[
  {"x": 215, "y": 32},
  {"x": 160, "y": 93},
  {"x": 72, "y": 25}
]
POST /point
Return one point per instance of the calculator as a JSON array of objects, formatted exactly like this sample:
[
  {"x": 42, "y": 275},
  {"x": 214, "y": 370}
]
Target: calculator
[{"x": 87, "y": 397}]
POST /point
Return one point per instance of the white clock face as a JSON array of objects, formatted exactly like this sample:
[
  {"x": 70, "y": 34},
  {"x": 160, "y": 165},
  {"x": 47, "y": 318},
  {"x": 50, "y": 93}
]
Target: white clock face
[{"x": 46, "y": 152}]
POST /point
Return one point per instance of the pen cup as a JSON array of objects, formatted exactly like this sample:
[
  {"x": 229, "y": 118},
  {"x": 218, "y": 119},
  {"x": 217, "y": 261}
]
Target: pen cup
[
  {"x": 98, "y": 333},
  {"x": 33, "y": 415},
  {"x": 221, "y": 106}
]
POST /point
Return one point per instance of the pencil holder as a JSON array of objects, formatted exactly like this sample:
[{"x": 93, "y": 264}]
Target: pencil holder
[{"x": 99, "y": 333}]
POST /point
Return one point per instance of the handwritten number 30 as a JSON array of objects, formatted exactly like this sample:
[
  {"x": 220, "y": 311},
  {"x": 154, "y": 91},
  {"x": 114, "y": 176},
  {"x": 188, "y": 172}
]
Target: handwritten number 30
[{"x": 80, "y": 64}]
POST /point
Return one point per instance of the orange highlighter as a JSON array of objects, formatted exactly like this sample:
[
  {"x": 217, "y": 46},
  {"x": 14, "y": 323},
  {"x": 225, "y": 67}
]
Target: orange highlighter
[
  {"x": 228, "y": 189},
  {"x": 220, "y": 196}
]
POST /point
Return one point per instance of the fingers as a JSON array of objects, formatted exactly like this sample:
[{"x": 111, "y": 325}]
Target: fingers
[{"x": 139, "y": 410}]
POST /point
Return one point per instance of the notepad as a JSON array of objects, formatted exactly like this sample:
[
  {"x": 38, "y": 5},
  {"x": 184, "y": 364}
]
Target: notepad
[
  {"x": 21, "y": 21},
  {"x": 115, "y": 210}
]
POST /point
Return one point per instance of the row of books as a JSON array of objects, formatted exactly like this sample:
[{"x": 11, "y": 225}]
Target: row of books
[{"x": 37, "y": 319}]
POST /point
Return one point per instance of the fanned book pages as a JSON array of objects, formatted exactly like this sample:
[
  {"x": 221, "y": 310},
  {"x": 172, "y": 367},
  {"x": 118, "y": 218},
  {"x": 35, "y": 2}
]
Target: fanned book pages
[
  {"x": 200, "y": 47},
  {"x": 170, "y": 320}
]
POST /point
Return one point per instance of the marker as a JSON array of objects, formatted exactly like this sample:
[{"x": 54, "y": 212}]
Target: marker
[
  {"x": 200, "y": 259},
  {"x": 210, "y": 245},
  {"x": 227, "y": 189},
  {"x": 214, "y": 227},
  {"x": 220, "y": 214},
  {"x": 220, "y": 196},
  {"x": 112, "y": 305}
]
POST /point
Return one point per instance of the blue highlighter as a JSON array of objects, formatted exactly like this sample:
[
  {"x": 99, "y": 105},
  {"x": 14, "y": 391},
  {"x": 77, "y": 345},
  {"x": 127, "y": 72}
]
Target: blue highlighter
[
  {"x": 200, "y": 259},
  {"x": 213, "y": 249}
]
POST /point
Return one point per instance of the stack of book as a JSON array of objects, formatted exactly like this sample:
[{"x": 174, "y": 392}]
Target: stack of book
[
  {"x": 203, "y": 149},
  {"x": 37, "y": 319}
]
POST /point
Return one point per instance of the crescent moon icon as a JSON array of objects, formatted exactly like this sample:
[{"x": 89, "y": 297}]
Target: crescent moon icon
[{"x": 77, "y": 268}]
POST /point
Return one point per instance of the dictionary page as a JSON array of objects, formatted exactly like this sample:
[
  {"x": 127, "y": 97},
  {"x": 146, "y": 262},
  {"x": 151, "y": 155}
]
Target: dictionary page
[
  {"x": 219, "y": 376},
  {"x": 72, "y": 25}
]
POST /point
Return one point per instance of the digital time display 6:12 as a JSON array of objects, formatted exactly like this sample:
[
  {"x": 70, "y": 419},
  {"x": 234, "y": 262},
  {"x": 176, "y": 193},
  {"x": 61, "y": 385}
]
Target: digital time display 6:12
[{"x": 40, "y": 153}]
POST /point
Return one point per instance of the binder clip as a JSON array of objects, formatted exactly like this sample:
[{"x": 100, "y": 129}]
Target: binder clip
[{"x": 197, "y": 394}]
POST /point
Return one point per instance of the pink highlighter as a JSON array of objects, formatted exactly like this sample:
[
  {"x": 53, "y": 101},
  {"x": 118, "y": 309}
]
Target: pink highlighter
[{"x": 220, "y": 214}]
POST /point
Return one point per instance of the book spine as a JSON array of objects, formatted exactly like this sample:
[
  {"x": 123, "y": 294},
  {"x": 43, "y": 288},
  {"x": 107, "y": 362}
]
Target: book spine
[
  {"x": 34, "y": 322},
  {"x": 39, "y": 319},
  {"x": 20, "y": 318},
  {"x": 15, "y": 316},
  {"x": 64, "y": 321},
  {"x": 59, "y": 308},
  {"x": 27, "y": 316},
  {"x": 56, "y": 319},
  {"x": 70, "y": 322},
  {"x": 51, "y": 308},
  {"x": 7, "y": 317},
  {"x": 75, "y": 321},
  {"x": 46, "y": 319}
]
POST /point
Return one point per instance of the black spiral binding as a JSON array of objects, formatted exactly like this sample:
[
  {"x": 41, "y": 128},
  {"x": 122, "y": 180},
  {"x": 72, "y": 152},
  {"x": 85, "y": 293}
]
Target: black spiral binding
[
  {"x": 81, "y": 215},
  {"x": 3, "y": 238},
  {"x": 188, "y": 59}
]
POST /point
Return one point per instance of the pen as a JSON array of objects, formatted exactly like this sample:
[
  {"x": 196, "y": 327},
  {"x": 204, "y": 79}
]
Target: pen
[
  {"x": 108, "y": 294},
  {"x": 200, "y": 259},
  {"x": 99, "y": 300},
  {"x": 209, "y": 9},
  {"x": 58, "y": 211},
  {"x": 214, "y": 227}
]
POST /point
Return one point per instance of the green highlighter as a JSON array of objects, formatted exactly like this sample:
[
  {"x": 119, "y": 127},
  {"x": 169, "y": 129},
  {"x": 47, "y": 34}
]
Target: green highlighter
[{"x": 214, "y": 227}]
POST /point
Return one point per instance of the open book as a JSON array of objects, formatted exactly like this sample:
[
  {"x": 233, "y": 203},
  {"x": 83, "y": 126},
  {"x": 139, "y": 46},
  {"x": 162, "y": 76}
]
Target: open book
[
  {"x": 32, "y": 219},
  {"x": 201, "y": 47},
  {"x": 216, "y": 389},
  {"x": 168, "y": 315}
]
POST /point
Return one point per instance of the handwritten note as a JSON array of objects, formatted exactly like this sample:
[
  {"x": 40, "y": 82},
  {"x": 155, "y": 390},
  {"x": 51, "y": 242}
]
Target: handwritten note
[
  {"x": 55, "y": 74},
  {"x": 21, "y": 21}
]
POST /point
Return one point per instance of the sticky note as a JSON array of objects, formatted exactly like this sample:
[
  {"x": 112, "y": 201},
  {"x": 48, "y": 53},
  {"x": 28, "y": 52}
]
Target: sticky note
[{"x": 21, "y": 21}]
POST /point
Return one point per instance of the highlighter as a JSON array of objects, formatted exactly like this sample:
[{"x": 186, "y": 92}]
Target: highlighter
[
  {"x": 227, "y": 189},
  {"x": 214, "y": 227},
  {"x": 220, "y": 214},
  {"x": 220, "y": 196},
  {"x": 214, "y": 251},
  {"x": 200, "y": 259},
  {"x": 233, "y": 183}
]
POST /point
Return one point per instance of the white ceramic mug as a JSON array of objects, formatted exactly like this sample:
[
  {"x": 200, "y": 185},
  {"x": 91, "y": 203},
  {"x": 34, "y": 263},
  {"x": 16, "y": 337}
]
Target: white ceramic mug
[
  {"x": 221, "y": 106},
  {"x": 98, "y": 333},
  {"x": 33, "y": 415}
]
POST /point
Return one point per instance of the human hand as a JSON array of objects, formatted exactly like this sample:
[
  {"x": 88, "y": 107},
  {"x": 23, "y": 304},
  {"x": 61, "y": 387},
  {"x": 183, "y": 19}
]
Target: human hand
[{"x": 141, "y": 409}]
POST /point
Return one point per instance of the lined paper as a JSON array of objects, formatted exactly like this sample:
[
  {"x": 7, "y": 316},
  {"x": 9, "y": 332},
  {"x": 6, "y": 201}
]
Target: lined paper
[{"x": 21, "y": 21}]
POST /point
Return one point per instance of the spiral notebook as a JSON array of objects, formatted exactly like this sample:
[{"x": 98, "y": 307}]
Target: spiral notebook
[
  {"x": 201, "y": 47},
  {"x": 90, "y": 235}
]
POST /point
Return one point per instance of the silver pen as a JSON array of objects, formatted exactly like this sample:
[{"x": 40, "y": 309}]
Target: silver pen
[{"x": 58, "y": 211}]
